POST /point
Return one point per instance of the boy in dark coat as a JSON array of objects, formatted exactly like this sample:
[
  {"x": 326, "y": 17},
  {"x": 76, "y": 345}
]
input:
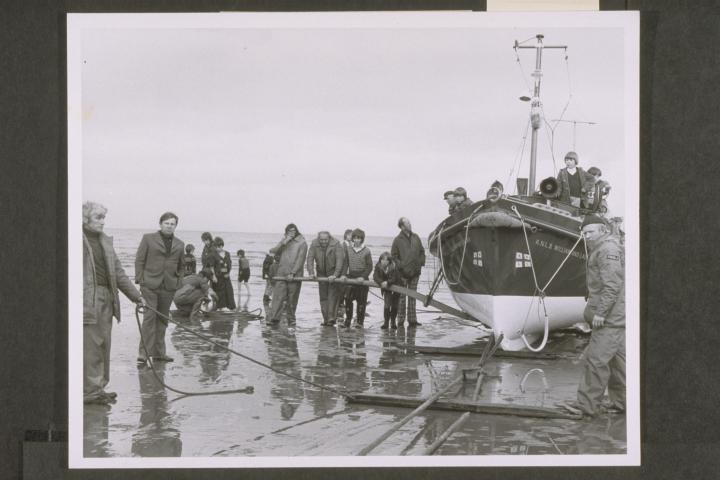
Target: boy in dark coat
[{"x": 385, "y": 275}]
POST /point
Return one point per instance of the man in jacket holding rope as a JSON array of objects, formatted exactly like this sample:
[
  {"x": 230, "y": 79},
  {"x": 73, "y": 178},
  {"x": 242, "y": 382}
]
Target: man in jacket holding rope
[
  {"x": 103, "y": 276},
  {"x": 605, "y": 356}
]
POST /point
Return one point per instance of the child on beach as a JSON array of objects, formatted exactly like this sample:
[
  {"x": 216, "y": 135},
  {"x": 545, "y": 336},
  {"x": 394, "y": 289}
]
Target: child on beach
[
  {"x": 386, "y": 275},
  {"x": 223, "y": 286},
  {"x": 243, "y": 271},
  {"x": 189, "y": 259}
]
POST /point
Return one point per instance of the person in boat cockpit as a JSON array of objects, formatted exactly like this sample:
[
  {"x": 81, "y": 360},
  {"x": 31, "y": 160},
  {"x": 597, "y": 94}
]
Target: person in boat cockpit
[
  {"x": 449, "y": 197},
  {"x": 571, "y": 180},
  {"x": 595, "y": 191},
  {"x": 461, "y": 199}
]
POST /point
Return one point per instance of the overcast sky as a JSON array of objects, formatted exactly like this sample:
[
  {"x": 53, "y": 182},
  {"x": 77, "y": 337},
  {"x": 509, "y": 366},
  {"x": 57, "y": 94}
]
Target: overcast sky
[{"x": 250, "y": 129}]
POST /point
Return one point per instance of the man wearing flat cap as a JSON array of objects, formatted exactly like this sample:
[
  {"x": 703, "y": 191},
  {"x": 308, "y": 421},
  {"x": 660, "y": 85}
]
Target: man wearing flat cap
[{"x": 605, "y": 357}]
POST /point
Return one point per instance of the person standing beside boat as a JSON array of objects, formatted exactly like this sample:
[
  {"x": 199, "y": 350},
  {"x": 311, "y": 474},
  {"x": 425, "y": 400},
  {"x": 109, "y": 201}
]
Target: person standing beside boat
[
  {"x": 605, "y": 356},
  {"x": 158, "y": 270},
  {"x": 325, "y": 258},
  {"x": 103, "y": 276},
  {"x": 292, "y": 250},
  {"x": 409, "y": 255},
  {"x": 571, "y": 180}
]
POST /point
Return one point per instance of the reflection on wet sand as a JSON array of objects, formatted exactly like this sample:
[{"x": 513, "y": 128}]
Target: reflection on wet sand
[
  {"x": 95, "y": 424},
  {"x": 283, "y": 353},
  {"x": 158, "y": 434},
  {"x": 288, "y": 416}
]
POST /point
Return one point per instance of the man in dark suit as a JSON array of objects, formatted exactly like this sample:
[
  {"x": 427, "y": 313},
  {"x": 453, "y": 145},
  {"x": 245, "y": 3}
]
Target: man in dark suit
[{"x": 159, "y": 271}]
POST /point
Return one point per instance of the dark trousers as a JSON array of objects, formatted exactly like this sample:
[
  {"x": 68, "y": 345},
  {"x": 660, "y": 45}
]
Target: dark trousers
[
  {"x": 289, "y": 293},
  {"x": 225, "y": 293},
  {"x": 189, "y": 303},
  {"x": 330, "y": 295},
  {"x": 407, "y": 304},
  {"x": 358, "y": 294},
  {"x": 391, "y": 304},
  {"x": 153, "y": 327},
  {"x": 96, "y": 346}
]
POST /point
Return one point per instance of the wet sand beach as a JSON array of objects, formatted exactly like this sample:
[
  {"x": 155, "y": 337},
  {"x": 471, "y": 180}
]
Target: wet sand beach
[{"x": 288, "y": 417}]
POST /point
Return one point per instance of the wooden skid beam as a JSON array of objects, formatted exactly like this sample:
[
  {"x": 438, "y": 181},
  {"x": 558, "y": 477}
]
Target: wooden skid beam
[
  {"x": 460, "y": 406},
  {"x": 395, "y": 288},
  {"x": 475, "y": 352}
]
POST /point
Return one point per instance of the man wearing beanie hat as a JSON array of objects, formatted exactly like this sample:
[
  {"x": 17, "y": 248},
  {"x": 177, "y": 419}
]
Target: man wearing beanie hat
[
  {"x": 571, "y": 180},
  {"x": 461, "y": 199},
  {"x": 605, "y": 357},
  {"x": 292, "y": 250}
]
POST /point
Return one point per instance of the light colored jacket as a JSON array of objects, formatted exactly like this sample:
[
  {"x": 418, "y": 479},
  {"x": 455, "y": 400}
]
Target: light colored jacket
[
  {"x": 606, "y": 281},
  {"x": 116, "y": 277},
  {"x": 292, "y": 256}
]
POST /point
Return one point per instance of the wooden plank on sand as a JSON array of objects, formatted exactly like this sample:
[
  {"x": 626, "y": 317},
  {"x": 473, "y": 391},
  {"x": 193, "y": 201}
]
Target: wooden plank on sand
[
  {"x": 460, "y": 406},
  {"x": 475, "y": 352}
]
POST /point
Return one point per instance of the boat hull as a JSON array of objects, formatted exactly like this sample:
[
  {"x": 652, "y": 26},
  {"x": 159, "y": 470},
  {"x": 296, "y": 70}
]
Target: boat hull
[
  {"x": 512, "y": 316},
  {"x": 499, "y": 266}
]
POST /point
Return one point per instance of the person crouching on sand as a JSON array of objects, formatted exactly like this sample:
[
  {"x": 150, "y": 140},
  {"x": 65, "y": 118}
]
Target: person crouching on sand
[{"x": 386, "y": 274}]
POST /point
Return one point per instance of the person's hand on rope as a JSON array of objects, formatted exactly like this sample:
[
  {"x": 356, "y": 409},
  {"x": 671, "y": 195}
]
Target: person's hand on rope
[
  {"x": 141, "y": 301},
  {"x": 598, "y": 321},
  {"x": 331, "y": 278}
]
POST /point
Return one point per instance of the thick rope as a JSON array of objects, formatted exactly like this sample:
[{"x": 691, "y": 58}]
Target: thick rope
[
  {"x": 140, "y": 309},
  {"x": 540, "y": 292},
  {"x": 235, "y": 352}
]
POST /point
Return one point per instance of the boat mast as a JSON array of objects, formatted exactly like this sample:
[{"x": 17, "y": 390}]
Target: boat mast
[{"x": 535, "y": 106}]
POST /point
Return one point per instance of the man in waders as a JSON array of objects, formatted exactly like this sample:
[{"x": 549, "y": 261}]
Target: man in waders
[
  {"x": 103, "y": 275},
  {"x": 605, "y": 356},
  {"x": 325, "y": 258},
  {"x": 409, "y": 255}
]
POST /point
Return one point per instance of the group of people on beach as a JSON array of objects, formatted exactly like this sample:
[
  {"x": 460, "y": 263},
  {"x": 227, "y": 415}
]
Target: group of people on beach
[
  {"x": 342, "y": 269},
  {"x": 166, "y": 272}
]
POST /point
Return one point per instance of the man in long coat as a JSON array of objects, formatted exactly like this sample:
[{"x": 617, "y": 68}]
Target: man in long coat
[{"x": 103, "y": 276}]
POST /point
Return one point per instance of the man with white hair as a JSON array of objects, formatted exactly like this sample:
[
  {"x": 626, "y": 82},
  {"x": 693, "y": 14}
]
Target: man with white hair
[{"x": 103, "y": 276}]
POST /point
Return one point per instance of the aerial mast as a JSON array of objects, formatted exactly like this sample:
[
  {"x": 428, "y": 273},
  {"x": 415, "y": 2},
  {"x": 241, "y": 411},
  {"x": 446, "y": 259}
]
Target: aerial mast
[{"x": 536, "y": 105}]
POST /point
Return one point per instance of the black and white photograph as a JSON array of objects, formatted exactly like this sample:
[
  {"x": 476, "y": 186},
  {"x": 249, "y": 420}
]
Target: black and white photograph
[{"x": 353, "y": 239}]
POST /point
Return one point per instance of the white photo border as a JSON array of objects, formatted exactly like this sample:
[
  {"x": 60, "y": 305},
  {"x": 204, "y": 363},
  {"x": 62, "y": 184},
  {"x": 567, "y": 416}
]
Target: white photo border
[{"x": 627, "y": 21}]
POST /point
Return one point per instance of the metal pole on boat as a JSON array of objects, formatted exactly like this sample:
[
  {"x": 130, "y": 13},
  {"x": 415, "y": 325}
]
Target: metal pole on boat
[
  {"x": 535, "y": 112},
  {"x": 535, "y": 106}
]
